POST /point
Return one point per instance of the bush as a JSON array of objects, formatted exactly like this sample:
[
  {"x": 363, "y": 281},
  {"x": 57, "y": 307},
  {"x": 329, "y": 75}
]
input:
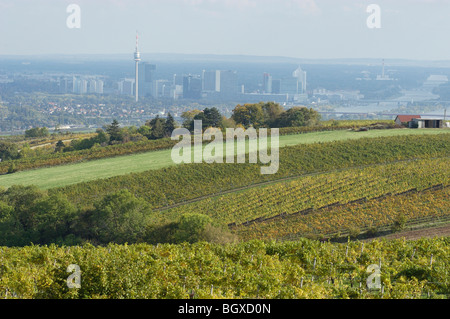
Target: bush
[
  {"x": 191, "y": 227},
  {"x": 12, "y": 168},
  {"x": 399, "y": 223},
  {"x": 353, "y": 231}
]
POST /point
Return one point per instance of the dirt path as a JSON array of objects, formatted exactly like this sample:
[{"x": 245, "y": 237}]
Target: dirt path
[
  {"x": 47, "y": 144},
  {"x": 441, "y": 231}
]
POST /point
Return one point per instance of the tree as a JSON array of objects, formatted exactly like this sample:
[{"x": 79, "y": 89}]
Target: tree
[
  {"x": 212, "y": 117},
  {"x": 191, "y": 227},
  {"x": 188, "y": 117},
  {"x": 169, "y": 125},
  {"x": 101, "y": 138},
  {"x": 23, "y": 199},
  {"x": 59, "y": 146},
  {"x": 227, "y": 123},
  {"x": 114, "y": 131},
  {"x": 297, "y": 116},
  {"x": 146, "y": 131},
  {"x": 54, "y": 215},
  {"x": 249, "y": 115},
  {"x": 37, "y": 132},
  {"x": 157, "y": 126},
  {"x": 8, "y": 151},
  {"x": 271, "y": 112},
  {"x": 119, "y": 217}
]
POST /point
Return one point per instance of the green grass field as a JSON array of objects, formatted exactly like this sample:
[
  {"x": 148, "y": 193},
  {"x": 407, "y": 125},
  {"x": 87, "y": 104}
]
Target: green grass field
[{"x": 63, "y": 175}]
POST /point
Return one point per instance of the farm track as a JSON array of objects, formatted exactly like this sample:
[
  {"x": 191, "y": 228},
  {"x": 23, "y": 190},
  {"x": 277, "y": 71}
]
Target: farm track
[{"x": 429, "y": 232}]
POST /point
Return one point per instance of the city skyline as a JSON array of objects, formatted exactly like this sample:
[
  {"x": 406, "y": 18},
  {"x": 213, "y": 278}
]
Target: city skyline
[{"x": 320, "y": 29}]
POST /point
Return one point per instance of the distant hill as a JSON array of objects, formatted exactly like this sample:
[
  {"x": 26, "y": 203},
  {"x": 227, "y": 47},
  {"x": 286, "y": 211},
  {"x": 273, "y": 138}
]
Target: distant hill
[{"x": 225, "y": 58}]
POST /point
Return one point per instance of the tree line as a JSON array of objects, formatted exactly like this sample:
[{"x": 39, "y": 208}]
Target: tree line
[{"x": 29, "y": 215}]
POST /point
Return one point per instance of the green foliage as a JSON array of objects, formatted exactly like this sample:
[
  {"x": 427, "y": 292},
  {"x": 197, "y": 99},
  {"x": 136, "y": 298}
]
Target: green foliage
[
  {"x": 101, "y": 138},
  {"x": 399, "y": 223},
  {"x": 191, "y": 227},
  {"x": 59, "y": 146},
  {"x": 114, "y": 131},
  {"x": 249, "y": 115},
  {"x": 157, "y": 126},
  {"x": 297, "y": 116},
  {"x": 32, "y": 216},
  {"x": 37, "y": 132},
  {"x": 273, "y": 115},
  {"x": 188, "y": 117},
  {"x": 12, "y": 168},
  {"x": 169, "y": 125},
  {"x": 8, "y": 151},
  {"x": 210, "y": 117},
  {"x": 119, "y": 217},
  {"x": 288, "y": 270}
]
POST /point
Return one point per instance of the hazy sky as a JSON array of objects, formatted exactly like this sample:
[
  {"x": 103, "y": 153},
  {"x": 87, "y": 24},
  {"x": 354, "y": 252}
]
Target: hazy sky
[{"x": 410, "y": 29}]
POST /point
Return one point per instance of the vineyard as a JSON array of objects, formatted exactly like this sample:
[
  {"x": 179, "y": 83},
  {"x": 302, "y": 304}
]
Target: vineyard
[
  {"x": 254, "y": 269},
  {"x": 363, "y": 216},
  {"x": 180, "y": 183},
  {"x": 322, "y": 190},
  {"x": 329, "y": 190}
]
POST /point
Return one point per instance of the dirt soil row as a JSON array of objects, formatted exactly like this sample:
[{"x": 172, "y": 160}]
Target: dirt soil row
[{"x": 441, "y": 231}]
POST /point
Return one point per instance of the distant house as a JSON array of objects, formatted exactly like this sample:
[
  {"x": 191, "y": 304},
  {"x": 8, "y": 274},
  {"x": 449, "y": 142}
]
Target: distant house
[
  {"x": 426, "y": 123},
  {"x": 405, "y": 119}
]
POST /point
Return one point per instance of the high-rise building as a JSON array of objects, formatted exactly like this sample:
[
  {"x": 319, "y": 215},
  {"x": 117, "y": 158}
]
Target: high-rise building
[
  {"x": 228, "y": 84},
  {"x": 92, "y": 87},
  {"x": 66, "y": 85},
  {"x": 145, "y": 79},
  {"x": 79, "y": 85},
  {"x": 276, "y": 86},
  {"x": 99, "y": 88},
  {"x": 137, "y": 58},
  {"x": 162, "y": 89},
  {"x": 300, "y": 75},
  {"x": 126, "y": 87},
  {"x": 289, "y": 86},
  {"x": 178, "y": 79},
  {"x": 192, "y": 87},
  {"x": 211, "y": 81},
  {"x": 267, "y": 83}
]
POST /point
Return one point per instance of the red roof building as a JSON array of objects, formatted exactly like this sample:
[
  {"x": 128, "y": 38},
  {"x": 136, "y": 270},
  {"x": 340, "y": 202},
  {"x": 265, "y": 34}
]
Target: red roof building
[{"x": 405, "y": 118}]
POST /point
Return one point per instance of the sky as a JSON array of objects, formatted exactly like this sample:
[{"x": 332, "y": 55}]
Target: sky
[{"x": 310, "y": 29}]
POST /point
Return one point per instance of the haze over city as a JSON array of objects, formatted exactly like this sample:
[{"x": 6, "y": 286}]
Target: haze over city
[{"x": 319, "y": 29}]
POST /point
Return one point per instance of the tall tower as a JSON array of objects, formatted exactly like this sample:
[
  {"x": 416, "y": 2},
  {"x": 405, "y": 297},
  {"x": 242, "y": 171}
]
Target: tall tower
[{"x": 137, "y": 58}]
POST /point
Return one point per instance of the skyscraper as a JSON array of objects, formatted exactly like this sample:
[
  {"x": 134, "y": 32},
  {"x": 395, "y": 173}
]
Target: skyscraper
[
  {"x": 211, "y": 81},
  {"x": 228, "y": 84},
  {"x": 192, "y": 87},
  {"x": 267, "y": 83},
  {"x": 137, "y": 58},
  {"x": 300, "y": 75},
  {"x": 145, "y": 79}
]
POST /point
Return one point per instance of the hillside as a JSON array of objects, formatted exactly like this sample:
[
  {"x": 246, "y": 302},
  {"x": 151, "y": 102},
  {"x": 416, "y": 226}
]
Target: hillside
[
  {"x": 227, "y": 231},
  {"x": 61, "y": 175}
]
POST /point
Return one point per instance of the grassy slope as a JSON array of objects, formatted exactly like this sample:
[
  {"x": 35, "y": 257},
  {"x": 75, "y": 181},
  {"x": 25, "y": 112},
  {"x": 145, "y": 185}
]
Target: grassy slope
[{"x": 75, "y": 173}]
